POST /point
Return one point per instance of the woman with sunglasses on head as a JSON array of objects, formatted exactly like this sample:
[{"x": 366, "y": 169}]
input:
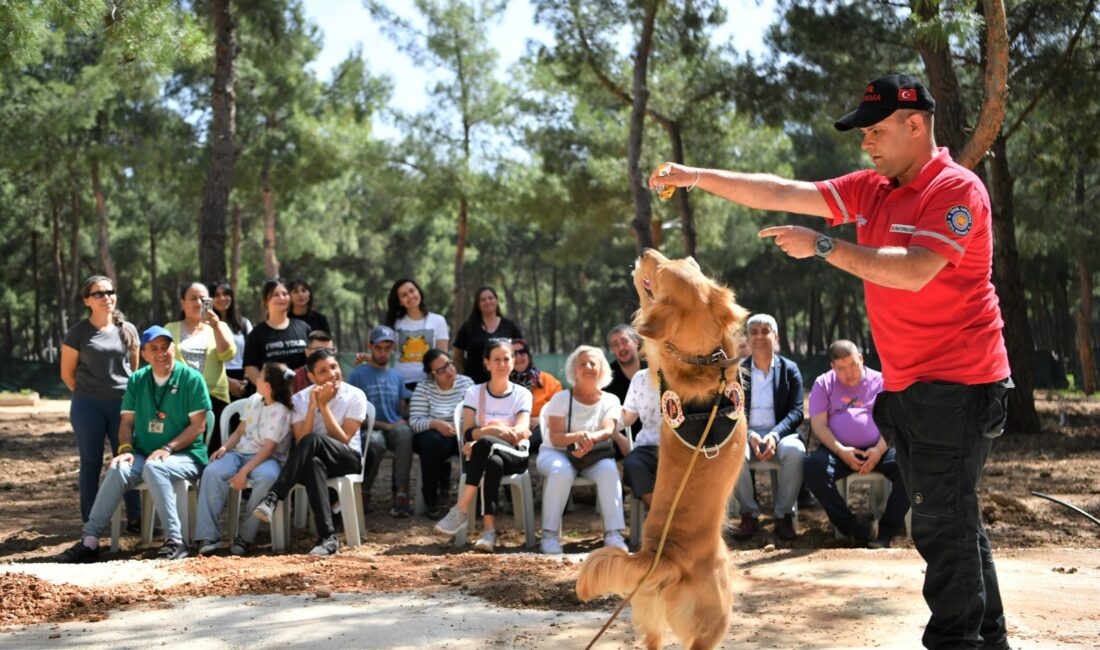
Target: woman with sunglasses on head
[
  {"x": 418, "y": 330},
  {"x": 205, "y": 343},
  {"x": 301, "y": 306},
  {"x": 542, "y": 385},
  {"x": 279, "y": 337},
  {"x": 431, "y": 416},
  {"x": 225, "y": 304},
  {"x": 485, "y": 322},
  {"x": 98, "y": 356}
]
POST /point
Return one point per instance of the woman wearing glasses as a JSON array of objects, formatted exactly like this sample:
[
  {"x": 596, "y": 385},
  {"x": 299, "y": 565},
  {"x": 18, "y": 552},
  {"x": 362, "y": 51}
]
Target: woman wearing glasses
[
  {"x": 97, "y": 358},
  {"x": 542, "y": 385},
  {"x": 431, "y": 416}
]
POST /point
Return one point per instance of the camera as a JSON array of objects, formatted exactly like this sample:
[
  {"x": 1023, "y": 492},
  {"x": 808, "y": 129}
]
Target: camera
[{"x": 207, "y": 305}]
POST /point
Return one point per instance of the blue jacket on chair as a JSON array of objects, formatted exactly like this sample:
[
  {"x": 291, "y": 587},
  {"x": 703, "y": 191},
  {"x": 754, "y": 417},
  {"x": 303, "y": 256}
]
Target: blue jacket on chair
[{"x": 787, "y": 383}]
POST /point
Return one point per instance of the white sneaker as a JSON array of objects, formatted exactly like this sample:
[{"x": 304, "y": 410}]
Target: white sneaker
[
  {"x": 453, "y": 523},
  {"x": 487, "y": 542},
  {"x": 615, "y": 538},
  {"x": 550, "y": 544}
]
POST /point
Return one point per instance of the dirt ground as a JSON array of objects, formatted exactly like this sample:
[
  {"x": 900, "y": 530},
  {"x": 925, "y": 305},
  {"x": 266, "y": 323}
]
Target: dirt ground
[{"x": 39, "y": 517}]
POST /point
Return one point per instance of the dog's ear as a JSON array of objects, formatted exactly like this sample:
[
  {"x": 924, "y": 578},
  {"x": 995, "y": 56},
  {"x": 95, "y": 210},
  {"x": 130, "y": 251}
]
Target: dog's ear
[{"x": 726, "y": 311}]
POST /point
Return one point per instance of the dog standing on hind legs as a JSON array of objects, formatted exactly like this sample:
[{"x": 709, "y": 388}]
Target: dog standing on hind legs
[{"x": 690, "y": 327}]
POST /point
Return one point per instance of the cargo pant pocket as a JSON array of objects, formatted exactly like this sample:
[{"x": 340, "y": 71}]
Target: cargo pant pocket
[{"x": 933, "y": 488}]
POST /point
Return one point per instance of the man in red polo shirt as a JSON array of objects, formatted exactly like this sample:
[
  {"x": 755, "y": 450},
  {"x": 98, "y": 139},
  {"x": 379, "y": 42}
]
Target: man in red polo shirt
[{"x": 924, "y": 252}]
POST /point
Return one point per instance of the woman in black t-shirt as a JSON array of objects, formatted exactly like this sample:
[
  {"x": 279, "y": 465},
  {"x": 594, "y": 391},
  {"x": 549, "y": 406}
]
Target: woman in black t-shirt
[
  {"x": 485, "y": 322},
  {"x": 301, "y": 306},
  {"x": 279, "y": 338}
]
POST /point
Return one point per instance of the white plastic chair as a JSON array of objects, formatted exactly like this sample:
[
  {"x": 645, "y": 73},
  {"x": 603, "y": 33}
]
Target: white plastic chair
[
  {"x": 523, "y": 494},
  {"x": 280, "y": 531},
  {"x": 733, "y": 508},
  {"x": 638, "y": 508},
  {"x": 880, "y": 488},
  {"x": 187, "y": 502},
  {"x": 348, "y": 490}
]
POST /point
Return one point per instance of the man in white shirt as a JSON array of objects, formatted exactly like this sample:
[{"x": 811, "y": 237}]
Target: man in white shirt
[{"x": 326, "y": 423}]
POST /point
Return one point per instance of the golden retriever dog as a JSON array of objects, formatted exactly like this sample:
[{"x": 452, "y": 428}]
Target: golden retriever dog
[{"x": 690, "y": 326}]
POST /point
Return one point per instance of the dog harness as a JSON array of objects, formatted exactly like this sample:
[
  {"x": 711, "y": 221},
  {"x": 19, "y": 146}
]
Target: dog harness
[{"x": 689, "y": 420}]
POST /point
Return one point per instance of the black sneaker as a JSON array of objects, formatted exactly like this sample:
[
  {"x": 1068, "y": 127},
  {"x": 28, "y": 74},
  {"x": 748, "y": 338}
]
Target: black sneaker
[
  {"x": 864, "y": 532},
  {"x": 266, "y": 510},
  {"x": 172, "y": 550},
  {"x": 77, "y": 554},
  {"x": 240, "y": 547},
  {"x": 133, "y": 526},
  {"x": 326, "y": 546},
  {"x": 205, "y": 546}
]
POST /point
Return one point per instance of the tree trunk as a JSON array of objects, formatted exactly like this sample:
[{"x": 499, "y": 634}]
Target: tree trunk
[
  {"x": 460, "y": 252},
  {"x": 271, "y": 258},
  {"x": 683, "y": 204},
  {"x": 1010, "y": 291},
  {"x": 535, "y": 275},
  {"x": 235, "y": 255},
  {"x": 37, "y": 338},
  {"x": 102, "y": 227},
  {"x": 219, "y": 177},
  {"x": 1084, "y": 277},
  {"x": 155, "y": 305},
  {"x": 643, "y": 208},
  {"x": 950, "y": 129},
  {"x": 73, "y": 306},
  {"x": 62, "y": 315},
  {"x": 995, "y": 84},
  {"x": 1063, "y": 322},
  {"x": 553, "y": 310}
]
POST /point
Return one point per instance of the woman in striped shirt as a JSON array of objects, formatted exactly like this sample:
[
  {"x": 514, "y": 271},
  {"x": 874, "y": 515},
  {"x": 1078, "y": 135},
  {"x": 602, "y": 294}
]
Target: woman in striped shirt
[{"x": 431, "y": 416}]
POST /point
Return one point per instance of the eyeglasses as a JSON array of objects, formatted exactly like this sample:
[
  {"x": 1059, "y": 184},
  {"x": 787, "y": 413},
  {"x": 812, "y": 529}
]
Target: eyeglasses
[
  {"x": 442, "y": 370},
  {"x": 101, "y": 294},
  {"x": 520, "y": 351}
]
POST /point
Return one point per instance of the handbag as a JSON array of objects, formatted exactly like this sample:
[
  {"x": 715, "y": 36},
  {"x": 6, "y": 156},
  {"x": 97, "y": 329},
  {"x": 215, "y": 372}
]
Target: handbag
[{"x": 599, "y": 451}]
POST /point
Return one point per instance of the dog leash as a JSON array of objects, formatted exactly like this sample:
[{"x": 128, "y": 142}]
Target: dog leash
[{"x": 671, "y": 511}]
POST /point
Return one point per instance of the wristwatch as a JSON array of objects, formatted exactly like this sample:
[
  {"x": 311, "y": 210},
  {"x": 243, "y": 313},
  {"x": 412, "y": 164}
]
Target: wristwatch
[{"x": 824, "y": 245}]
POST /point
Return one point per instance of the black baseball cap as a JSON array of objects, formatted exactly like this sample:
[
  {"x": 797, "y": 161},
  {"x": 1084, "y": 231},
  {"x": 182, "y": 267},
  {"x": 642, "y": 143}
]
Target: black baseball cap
[{"x": 884, "y": 96}]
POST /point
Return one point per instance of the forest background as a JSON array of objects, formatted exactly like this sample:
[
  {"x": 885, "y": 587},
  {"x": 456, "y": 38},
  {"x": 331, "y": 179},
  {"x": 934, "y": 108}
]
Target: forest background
[{"x": 163, "y": 141}]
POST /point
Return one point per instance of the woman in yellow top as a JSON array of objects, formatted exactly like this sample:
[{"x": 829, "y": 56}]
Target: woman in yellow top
[{"x": 205, "y": 343}]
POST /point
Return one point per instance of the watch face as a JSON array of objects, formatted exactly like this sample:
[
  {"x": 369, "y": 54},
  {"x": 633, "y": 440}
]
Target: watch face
[{"x": 823, "y": 245}]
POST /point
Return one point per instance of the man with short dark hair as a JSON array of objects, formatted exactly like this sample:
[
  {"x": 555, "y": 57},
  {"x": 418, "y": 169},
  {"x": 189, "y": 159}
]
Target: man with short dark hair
[
  {"x": 925, "y": 247},
  {"x": 325, "y": 423},
  {"x": 386, "y": 390},
  {"x": 841, "y": 405},
  {"x": 160, "y": 439}
]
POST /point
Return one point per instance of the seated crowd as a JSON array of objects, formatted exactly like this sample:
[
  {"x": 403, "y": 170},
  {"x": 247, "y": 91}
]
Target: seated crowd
[{"x": 488, "y": 404}]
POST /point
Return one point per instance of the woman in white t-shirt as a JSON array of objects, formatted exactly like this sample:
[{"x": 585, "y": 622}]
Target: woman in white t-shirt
[
  {"x": 418, "y": 330},
  {"x": 256, "y": 451},
  {"x": 580, "y": 422},
  {"x": 496, "y": 432}
]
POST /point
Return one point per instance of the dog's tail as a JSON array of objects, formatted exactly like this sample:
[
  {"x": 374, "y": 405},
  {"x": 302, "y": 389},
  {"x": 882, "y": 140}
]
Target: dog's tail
[{"x": 613, "y": 570}]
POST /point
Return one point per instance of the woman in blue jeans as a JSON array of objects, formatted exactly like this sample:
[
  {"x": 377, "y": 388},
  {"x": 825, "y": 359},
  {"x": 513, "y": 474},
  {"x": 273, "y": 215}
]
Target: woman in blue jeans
[{"x": 97, "y": 358}]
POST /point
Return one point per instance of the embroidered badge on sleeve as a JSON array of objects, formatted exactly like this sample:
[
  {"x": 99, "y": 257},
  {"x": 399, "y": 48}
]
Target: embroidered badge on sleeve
[{"x": 959, "y": 220}]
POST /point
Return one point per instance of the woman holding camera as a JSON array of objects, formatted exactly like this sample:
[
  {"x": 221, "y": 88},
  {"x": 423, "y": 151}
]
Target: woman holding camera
[{"x": 205, "y": 343}]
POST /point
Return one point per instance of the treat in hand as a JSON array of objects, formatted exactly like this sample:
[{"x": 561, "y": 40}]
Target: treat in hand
[{"x": 665, "y": 191}]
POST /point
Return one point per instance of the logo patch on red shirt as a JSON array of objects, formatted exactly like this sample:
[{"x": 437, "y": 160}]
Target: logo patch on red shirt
[{"x": 959, "y": 220}]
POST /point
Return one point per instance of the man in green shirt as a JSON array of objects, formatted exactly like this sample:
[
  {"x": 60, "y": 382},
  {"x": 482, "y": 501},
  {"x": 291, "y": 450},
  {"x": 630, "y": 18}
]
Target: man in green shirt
[{"x": 160, "y": 436}]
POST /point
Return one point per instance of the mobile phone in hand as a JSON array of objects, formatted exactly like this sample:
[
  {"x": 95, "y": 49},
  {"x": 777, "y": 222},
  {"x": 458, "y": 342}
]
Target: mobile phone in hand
[{"x": 207, "y": 304}]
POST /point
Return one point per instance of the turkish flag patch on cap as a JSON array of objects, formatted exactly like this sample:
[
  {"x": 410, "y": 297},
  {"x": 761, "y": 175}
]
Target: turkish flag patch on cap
[{"x": 907, "y": 94}]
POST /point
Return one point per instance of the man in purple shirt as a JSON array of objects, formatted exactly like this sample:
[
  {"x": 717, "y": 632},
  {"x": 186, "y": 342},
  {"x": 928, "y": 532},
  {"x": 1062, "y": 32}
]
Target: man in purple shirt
[{"x": 841, "y": 406}]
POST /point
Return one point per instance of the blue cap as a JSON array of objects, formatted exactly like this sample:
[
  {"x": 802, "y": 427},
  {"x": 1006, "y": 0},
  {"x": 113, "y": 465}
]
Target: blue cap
[
  {"x": 382, "y": 333},
  {"x": 154, "y": 332}
]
